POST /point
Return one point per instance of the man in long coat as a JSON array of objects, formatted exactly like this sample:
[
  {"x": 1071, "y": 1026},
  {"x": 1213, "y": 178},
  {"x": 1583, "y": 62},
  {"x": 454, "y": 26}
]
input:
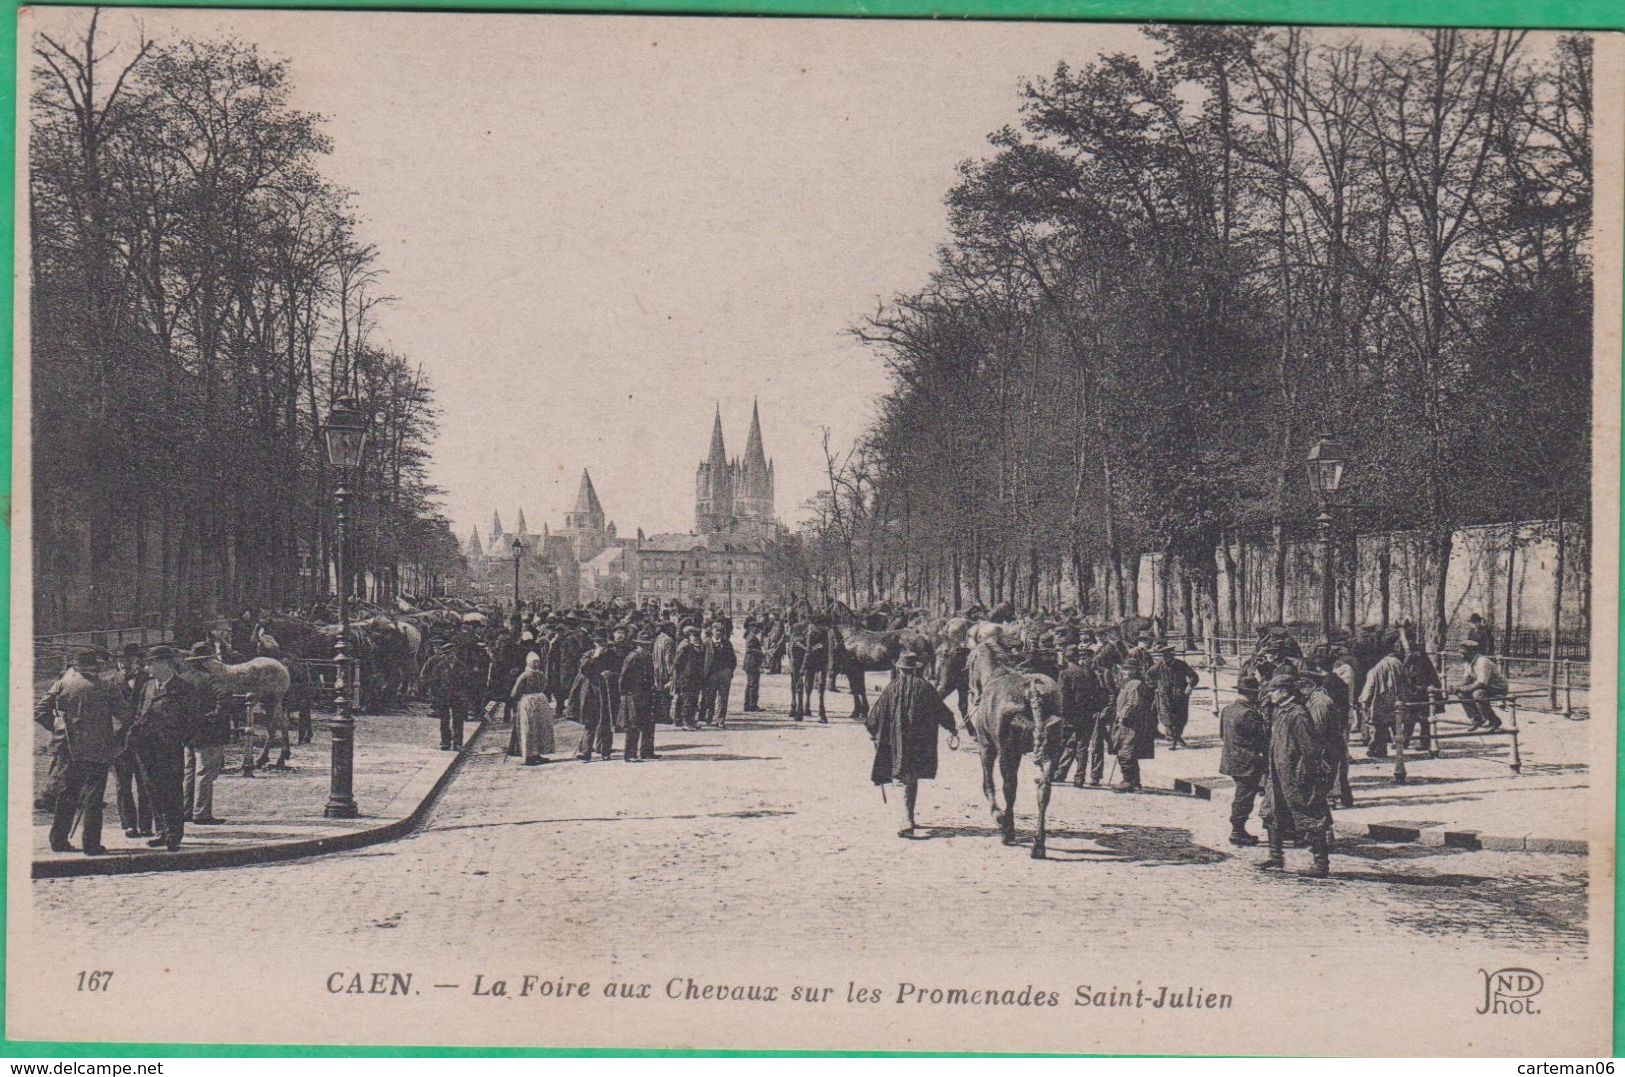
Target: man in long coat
[
  {"x": 688, "y": 677},
  {"x": 774, "y": 644},
  {"x": 664, "y": 654},
  {"x": 437, "y": 680},
  {"x": 720, "y": 662},
  {"x": 591, "y": 703},
  {"x": 1134, "y": 736},
  {"x": 637, "y": 687},
  {"x": 1245, "y": 736},
  {"x": 571, "y": 646},
  {"x": 1173, "y": 681},
  {"x": 1083, "y": 700},
  {"x": 903, "y": 724},
  {"x": 753, "y": 670},
  {"x": 132, "y": 792},
  {"x": 1328, "y": 705},
  {"x": 170, "y": 710},
  {"x": 1301, "y": 774},
  {"x": 85, "y": 702}
]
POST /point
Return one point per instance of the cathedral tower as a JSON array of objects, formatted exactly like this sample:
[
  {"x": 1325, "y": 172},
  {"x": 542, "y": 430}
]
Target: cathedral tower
[
  {"x": 735, "y": 496},
  {"x": 713, "y": 485}
]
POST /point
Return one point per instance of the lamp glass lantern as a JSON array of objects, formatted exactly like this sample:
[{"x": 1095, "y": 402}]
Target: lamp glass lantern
[
  {"x": 1326, "y": 461},
  {"x": 346, "y": 434}
]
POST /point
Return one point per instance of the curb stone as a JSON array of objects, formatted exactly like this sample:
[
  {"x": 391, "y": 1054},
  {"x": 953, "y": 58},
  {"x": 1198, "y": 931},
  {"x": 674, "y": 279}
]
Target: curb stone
[
  {"x": 1421, "y": 832},
  {"x": 235, "y": 856}
]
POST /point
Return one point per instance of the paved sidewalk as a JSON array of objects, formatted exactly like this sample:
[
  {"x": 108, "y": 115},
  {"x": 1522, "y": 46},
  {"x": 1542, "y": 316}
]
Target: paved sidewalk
[
  {"x": 277, "y": 815},
  {"x": 1469, "y": 797}
]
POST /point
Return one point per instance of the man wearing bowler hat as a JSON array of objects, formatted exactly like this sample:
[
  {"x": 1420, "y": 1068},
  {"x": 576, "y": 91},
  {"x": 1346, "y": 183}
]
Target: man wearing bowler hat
[{"x": 169, "y": 711}]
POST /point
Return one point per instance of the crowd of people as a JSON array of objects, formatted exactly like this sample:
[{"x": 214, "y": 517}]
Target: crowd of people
[
  {"x": 613, "y": 667},
  {"x": 156, "y": 723},
  {"x": 1285, "y": 741}
]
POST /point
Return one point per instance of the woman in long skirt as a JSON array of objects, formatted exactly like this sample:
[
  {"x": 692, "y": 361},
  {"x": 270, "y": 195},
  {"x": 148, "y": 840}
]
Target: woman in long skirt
[{"x": 532, "y": 713}]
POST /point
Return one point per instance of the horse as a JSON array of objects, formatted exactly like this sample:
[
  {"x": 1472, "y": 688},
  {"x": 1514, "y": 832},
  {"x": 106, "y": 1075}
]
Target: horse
[
  {"x": 1016, "y": 714},
  {"x": 807, "y": 645},
  {"x": 858, "y": 651},
  {"x": 266, "y": 682}
]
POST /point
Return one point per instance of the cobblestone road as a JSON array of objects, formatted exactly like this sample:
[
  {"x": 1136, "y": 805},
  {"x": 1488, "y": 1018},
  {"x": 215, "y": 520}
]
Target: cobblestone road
[{"x": 767, "y": 836}]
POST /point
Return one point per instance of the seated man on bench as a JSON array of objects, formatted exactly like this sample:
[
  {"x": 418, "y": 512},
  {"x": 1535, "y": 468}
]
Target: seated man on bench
[{"x": 1482, "y": 682}]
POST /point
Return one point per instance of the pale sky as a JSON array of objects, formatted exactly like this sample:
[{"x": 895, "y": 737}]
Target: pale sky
[{"x": 598, "y": 228}]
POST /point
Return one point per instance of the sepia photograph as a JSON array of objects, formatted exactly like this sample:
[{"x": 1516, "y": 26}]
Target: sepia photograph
[{"x": 1123, "y": 520}]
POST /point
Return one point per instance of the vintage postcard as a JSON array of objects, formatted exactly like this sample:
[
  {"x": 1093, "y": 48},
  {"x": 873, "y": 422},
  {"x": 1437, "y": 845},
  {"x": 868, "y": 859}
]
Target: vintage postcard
[{"x": 845, "y": 534}]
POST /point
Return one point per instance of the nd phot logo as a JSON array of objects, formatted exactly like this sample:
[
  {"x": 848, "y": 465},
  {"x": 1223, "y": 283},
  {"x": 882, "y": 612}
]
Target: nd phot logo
[{"x": 1511, "y": 991}]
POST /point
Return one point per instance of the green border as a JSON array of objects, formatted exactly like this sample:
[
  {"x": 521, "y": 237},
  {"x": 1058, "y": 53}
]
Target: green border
[{"x": 1531, "y": 14}]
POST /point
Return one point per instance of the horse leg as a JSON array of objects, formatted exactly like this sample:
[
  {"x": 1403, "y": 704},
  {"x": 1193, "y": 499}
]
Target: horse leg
[
  {"x": 860, "y": 694},
  {"x": 822, "y": 685},
  {"x": 1010, "y": 772},
  {"x": 281, "y": 726},
  {"x": 1046, "y": 774},
  {"x": 990, "y": 754},
  {"x": 265, "y": 753}
]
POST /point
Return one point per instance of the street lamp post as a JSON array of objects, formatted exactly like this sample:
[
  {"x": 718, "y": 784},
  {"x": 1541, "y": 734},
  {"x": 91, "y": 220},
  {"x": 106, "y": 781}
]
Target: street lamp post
[
  {"x": 518, "y": 552},
  {"x": 346, "y": 438},
  {"x": 1326, "y": 475}
]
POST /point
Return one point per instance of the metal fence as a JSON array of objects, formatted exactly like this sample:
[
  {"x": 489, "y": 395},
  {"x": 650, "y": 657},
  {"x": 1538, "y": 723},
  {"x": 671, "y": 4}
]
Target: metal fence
[
  {"x": 1563, "y": 684},
  {"x": 51, "y": 652}
]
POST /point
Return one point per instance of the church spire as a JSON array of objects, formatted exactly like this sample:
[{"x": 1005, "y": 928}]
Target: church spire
[
  {"x": 719, "y": 455},
  {"x": 755, "y": 458},
  {"x": 496, "y": 527},
  {"x": 587, "y": 498},
  {"x": 519, "y": 529},
  {"x": 474, "y": 550}
]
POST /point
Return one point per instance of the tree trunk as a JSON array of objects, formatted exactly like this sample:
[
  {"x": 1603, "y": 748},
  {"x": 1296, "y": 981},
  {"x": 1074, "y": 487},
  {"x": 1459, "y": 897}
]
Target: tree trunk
[
  {"x": 1353, "y": 574},
  {"x": 1230, "y": 586},
  {"x": 1385, "y": 565},
  {"x": 1278, "y": 551},
  {"x": 1185, "y": 609},
  {"x": 1512, "y": 566},
  {"x": 1557, "y": 613},
  {"x": 1442, "y": 541},
  {"x": 1131, "y": 596}
]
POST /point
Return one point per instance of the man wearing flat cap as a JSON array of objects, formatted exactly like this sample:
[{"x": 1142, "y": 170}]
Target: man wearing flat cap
[
  {"x": 85, "y": 703},
  {"x": 1300, "y": 777},
  {"x": 903, "y": 724}
]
